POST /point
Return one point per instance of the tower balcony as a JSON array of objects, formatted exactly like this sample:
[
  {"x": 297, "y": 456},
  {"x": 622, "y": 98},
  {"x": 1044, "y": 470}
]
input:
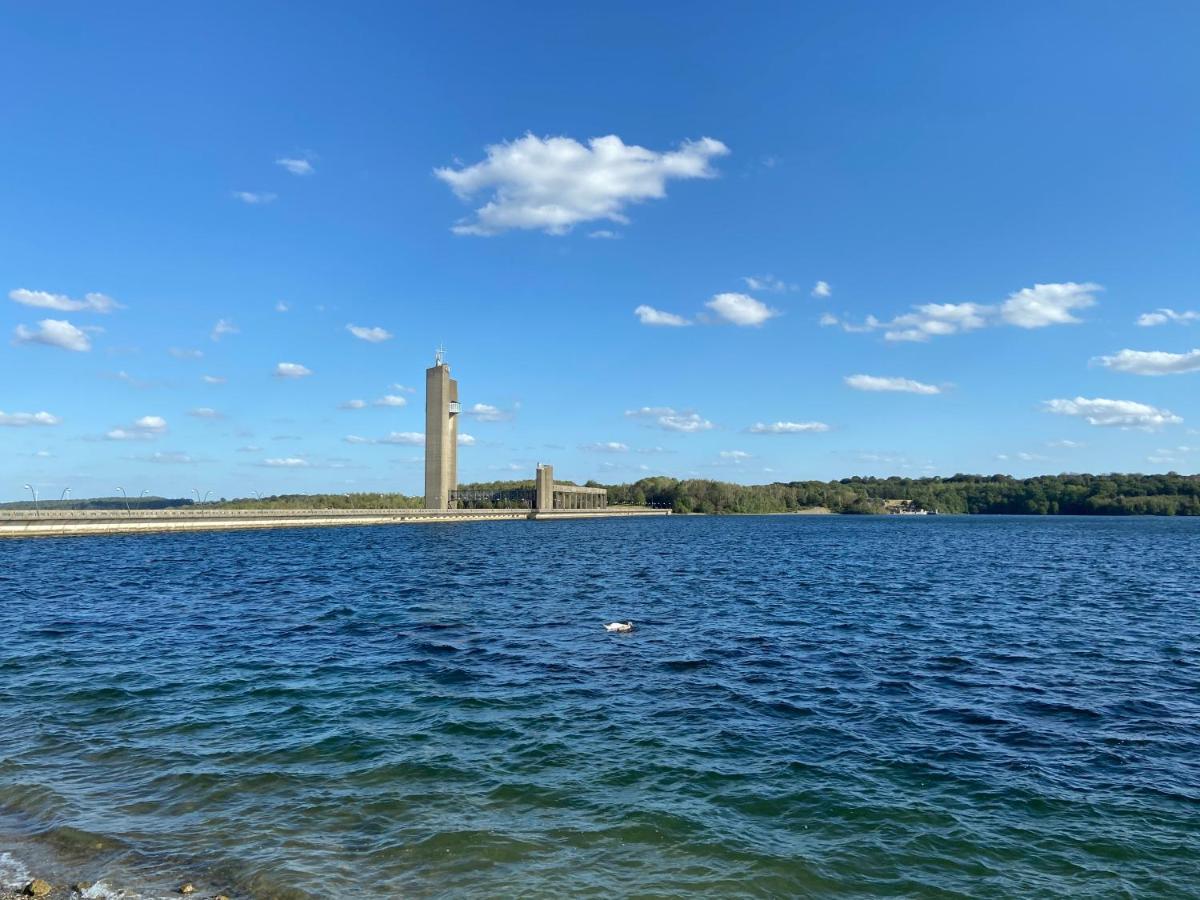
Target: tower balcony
[{"x": 455, "y": 407}]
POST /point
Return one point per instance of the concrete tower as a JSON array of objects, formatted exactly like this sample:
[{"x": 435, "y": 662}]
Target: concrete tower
[{"x": 441, "y": 434}]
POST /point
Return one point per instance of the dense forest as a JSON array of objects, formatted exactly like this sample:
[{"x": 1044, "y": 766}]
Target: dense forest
[{"x": 1088, "y": 495}]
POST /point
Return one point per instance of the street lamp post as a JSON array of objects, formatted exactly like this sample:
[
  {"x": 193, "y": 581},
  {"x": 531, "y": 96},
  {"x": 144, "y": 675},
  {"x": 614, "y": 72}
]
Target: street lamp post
[
  {"x": 128, "y": 512},
  {"x": 64, "y": 494},
  {"x": 37, "y": 511}
]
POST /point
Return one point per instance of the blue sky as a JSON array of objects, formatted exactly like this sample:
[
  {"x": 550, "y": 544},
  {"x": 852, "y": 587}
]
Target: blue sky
[{"x": 616, "y": 221}]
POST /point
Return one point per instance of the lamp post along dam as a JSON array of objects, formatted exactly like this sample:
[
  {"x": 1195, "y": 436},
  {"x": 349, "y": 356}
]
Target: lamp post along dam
[{"x": 547, "y": 499}]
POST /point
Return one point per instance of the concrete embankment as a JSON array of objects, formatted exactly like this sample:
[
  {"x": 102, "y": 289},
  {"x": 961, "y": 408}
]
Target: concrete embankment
[{"x": 51, "y": 523}]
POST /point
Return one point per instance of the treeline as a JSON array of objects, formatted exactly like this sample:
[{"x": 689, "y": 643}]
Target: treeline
[
  {"x": 1084, "y": 495},
  {"x": 100, "y": 503}
]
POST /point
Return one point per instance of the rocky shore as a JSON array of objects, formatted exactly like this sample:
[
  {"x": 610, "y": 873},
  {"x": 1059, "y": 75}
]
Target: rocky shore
[{"x": 38, "y": 888}]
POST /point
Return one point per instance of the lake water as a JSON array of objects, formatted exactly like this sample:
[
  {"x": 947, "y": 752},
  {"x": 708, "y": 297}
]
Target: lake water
[{"x": 806, "y": 707}]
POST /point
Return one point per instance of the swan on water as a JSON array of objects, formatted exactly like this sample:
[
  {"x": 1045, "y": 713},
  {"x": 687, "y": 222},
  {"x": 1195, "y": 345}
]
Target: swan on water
[{"x": 619, "y": 626}]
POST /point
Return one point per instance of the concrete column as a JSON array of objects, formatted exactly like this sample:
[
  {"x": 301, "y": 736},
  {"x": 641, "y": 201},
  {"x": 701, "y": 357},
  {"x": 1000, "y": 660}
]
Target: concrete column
[
  {"x": 545, "y": 487},
  {"x": 441, "y": 437}
]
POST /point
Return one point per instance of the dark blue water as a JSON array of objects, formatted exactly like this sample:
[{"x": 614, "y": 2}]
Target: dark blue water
[{"x": 808, "y": 706}]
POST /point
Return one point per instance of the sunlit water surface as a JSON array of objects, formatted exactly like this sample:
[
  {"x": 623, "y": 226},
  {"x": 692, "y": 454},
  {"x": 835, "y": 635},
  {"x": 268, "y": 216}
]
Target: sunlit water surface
[{"x": 807, "y": 706}]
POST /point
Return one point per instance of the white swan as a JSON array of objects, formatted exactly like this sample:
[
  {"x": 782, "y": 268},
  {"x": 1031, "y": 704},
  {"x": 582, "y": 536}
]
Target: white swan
[{"x": 619, "y": 626}]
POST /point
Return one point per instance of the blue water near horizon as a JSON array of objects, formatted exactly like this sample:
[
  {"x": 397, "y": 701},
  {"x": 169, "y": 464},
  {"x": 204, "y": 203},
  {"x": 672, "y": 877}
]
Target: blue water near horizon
[{"x": 808, "y": 706}]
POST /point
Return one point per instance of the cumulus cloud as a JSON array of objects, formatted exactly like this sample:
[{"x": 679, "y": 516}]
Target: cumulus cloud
[
  {"x": 254, "y": 198},
  {"x": 291, "y": 370},
  {"x": 466, "y": 440},
  {"x": 879, "y": 383},
  {"x": 605, "y": 447},
  {"x": 1164, "y": 315},
  {"x": 222, "y": 328},
  {"x": 390, "y": 400},
  {"x": 486, "y": 412},
  {"x": 788, "y": 428},
  {"x": 371, "y": 335},
  {"x": 147, "y": 428},
  {"x": 551, "y": 184},
  {"x": 741, "y": 309},
  {"x": 669, "y": 419},
  {"x": 648, "y": 315},
  {"x": 54, "y": 333},
  {"x": 92, "y": 302},
  {"x": 1152, "y": 362},
  {"x": 1114, "y": 413},
  {"x": 1036, "y": 307},
  {"x": 23, "y": 420},
  {"x": 821, "y": 290},
  {"x": 767, "y": 283},
  {"x": 296, "y": 166}
]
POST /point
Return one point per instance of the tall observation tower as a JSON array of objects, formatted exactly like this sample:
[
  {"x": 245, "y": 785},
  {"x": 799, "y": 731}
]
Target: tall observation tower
[{"x": 441, "y": 434}]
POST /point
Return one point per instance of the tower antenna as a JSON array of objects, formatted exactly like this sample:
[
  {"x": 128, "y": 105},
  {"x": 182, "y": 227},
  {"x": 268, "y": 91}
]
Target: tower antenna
[{"x": 439, "y": 355}]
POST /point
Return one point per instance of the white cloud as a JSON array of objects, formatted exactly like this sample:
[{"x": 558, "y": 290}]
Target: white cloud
[
  {"x": 222, "y": 328},
  {"x": 741, "y": 309},
  {"x": 878, "y": 383},
  {"x": 553, "y": 183},
  {"x": 669, "y": 419},
  {"x": 213, "y": 379},
  {"x": 291, "y": 370},
  {"x": 185, "y": 353},
  {"x": 1114, "y": 413},
  {"x": 466, "y": 440},
  {"x": 405, "y": 388},
  {"x": 827, "y": 319},
  {"x": 281, "y": 307},
  {"x": 1065, "y": 444},
  {"x": 92, "y": 302},
  {"x": 485, "y": 412},
  {"x": 409, "y": 438},
  {"x": 648, "y": 315},
  {"x": 296, "y": 166},
  {"x": 1036, "y": 307},
  {"x": 205, "y": 412},
  {"x": 250, "y": 448},
  {"x": 146, "y": 428},
  {"x": 287, "y": 462},
  {"x": 354, "y": 404},
  {"x": 54, "y": 333},
  {"x": 735, "y": 455},
  {"x": 22, "y": 420},
  {"x": 767, "y": 283},
  {"x": 822, "y": 289},
  {"x": 167, "y": 458},
  {"x": 254, "y": 198},
  {"x": 788, "y": 428},
  {"x": 606, "y": 447},
  {"x": 372, "y": 335},
  {"x": 1164, "y": 315},
  {"x": 390, "y": 400},
  {"x": 605, "y": 234},
  {"x": 1152, "y": 362}
]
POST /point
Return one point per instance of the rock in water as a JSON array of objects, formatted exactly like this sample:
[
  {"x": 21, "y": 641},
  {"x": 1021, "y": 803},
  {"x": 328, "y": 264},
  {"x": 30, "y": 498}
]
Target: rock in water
[
  {"x": 37, "y": 888},
  {"x": 187, "y": 888}
]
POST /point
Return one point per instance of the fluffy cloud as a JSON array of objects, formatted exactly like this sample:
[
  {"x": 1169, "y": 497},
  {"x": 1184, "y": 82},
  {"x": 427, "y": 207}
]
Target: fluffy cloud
[
  {"x": 291, "y": 370},
  {"x": 372, "y": 335},
  {"x": 287, "y": 462},
  {"x": 1152, "y": 362},
  {"x": 466, "y": 440},
  {"x": 741, "y": 309},
  {"x": 254, "y": 198},
  {"x": 788, "y": 427},
  {"x": 1114, "y": 413},
  {"x": 1035, "y": 307},
  {"x": 669, "y": 419},
  {"x": 100, "y": 303},
  {"x": 648, "y": 315},
  {"x": 553, "y": 183},
  {"x": 735, "y": 455},
  {"x": 1048, "y": 304},
  {"x": 878, "y": 383},
  {"x": 485, "y": 412},
  {"x": 147, "y": 428},
  {"x": 296, "y": 166},
  {"x": 605, "y": 447},
  {"x": 222, "y": 328},
  {"x": 23, "y": 420},
  {"x": 1163, "y": 316},
  {"x": 54, "y": 333},
  {"x": 390, "y": 400},
  {"x": 821, "y": 290}
]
